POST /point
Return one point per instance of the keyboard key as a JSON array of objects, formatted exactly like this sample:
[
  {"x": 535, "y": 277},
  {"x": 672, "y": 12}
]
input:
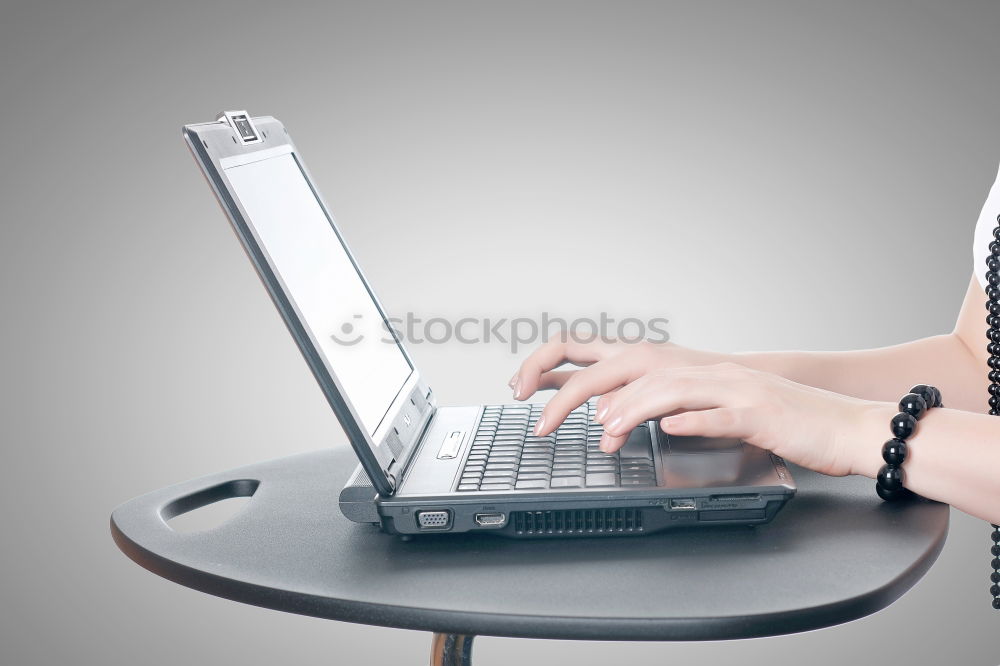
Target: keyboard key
[
  {"x": 537, "y": 454},
  {"x": 637, "y": 482},
  {"x": 531, "y": 483},
  {"x": 604, "y": 479},
  {"x": 566, "y": 482},
  {"x": 496, "y": 486},
  {"x": 632, "y": 472},
  {"x": 571, "y": 445},
  {"x": 569, "y": 455},
  {"x": 505, "y": 451},
  {"x": 502, "y": 473},
  {"x": 638, "y": 445},
  {"x": 594, "y": 452}
]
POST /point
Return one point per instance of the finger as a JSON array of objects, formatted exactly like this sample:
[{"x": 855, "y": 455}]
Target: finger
[
  {"x": 551, "y": 355},
  {"x": 599, "y": 378},
  {"x": 676, "y": 379},
  {"x": 611, "y": 443},
  {"x": 554, "y": 379},
  {"x": 652, "y": 398},
  {"x": 720, "y": 422},
  {"x": 604, "y": 401}
]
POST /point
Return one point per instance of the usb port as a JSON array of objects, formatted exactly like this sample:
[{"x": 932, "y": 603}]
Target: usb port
[{"x": 685, "y": 504}]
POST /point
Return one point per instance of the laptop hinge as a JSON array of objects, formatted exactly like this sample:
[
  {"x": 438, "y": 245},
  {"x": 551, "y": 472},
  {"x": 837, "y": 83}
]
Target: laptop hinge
[{"x": 397, "y": 468}]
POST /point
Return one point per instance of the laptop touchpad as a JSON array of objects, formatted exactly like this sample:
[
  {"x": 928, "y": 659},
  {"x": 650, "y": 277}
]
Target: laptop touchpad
[{"x": 698, "y": 462}]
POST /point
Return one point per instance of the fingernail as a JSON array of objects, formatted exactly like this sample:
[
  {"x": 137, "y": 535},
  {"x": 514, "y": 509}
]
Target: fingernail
[
  {"x": 670, "y": 422},
  {"x": 517, "y": 390},
  {"x": 601, "y": 413},
  {"x": 613, "y": 426},
  {"x": 539, "y": 425},
  {"x": 604, "y": 446},
  {"x": 513, "y": 381}
]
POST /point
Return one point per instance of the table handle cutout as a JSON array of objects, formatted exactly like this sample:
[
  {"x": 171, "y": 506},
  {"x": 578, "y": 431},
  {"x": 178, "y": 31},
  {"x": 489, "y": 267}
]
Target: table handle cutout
[{"x": 207, "y": 497}]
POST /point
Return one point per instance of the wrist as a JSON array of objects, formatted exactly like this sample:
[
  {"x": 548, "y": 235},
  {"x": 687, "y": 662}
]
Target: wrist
[
  {"x": 864, "y": 441},
  {"x": 782, "y": 364}
]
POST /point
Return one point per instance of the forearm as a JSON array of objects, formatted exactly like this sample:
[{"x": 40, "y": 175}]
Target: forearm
[
  {"x": 885, "y": 374},
  {"x": 954, "y": 457}
]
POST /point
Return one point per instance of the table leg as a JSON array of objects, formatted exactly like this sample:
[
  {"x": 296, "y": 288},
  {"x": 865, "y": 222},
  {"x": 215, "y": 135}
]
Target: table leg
[{"x": 451, "y": 650}]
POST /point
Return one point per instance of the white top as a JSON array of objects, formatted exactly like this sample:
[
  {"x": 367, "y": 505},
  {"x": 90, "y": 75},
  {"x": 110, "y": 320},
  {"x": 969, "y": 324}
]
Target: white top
[{"x": 984, "y": 232}]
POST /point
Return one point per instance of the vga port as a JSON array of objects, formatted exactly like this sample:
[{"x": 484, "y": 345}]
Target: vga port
[{"x": 434, "y": 520}]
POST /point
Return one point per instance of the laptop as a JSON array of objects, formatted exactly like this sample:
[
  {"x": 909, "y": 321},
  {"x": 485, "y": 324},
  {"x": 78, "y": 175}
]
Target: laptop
[{"x": 430, "y": 469}]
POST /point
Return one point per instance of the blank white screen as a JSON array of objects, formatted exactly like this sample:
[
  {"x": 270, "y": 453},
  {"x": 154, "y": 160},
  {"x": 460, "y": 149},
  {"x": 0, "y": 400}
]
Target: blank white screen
[{"x": 321, "y": 283}]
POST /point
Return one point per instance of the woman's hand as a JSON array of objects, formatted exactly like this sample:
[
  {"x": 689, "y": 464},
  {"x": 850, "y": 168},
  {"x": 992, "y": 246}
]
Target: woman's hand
[
  {"x": 805, "y": 425},
  {"x": 537, "y": 372}
]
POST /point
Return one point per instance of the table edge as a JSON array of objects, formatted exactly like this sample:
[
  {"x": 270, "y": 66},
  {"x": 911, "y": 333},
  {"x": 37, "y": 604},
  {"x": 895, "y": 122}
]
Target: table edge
[{"x": 533, "y": 626}]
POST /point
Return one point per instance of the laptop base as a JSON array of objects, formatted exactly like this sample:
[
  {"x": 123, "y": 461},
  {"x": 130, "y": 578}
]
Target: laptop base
[{"x": 582, "y": 514}]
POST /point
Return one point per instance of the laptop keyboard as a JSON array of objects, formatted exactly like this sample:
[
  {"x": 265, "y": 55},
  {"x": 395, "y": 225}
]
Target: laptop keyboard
[{"x": 506, "y": 456}]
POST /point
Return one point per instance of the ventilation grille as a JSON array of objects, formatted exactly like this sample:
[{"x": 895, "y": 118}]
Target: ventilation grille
[{"x": 582, "y": 521}]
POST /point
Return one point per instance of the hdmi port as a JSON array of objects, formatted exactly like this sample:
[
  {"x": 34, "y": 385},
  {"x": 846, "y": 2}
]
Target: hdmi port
[{"x": 490, "y": 519}]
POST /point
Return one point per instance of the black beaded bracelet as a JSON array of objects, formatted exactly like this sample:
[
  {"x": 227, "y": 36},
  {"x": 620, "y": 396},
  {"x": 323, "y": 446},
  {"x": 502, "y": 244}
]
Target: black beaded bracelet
[{"x": 912, "y": 407}]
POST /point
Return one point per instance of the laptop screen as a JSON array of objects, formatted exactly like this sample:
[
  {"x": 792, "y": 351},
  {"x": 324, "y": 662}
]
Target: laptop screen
[{"x": 322, "y": 284}]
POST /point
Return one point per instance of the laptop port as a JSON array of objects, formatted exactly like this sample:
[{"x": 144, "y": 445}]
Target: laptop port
[
  {"x": 685, "y": 504},
  {"x": 741, "y": 497},
  {"x": 490, "y": 519},
  {"x": 434, "y": 520}
]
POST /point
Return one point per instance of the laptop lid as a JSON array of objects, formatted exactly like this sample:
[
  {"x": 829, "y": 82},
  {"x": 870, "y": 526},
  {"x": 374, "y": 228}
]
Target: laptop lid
[{"x": 327, "y": 304}]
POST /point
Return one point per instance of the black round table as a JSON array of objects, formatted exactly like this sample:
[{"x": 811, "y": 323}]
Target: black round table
[{"x": 834, "y": 553}]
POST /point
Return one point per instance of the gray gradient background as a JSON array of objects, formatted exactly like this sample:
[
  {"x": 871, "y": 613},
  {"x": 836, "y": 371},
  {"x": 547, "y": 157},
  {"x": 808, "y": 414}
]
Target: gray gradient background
[{"x": 767, "y": 175}]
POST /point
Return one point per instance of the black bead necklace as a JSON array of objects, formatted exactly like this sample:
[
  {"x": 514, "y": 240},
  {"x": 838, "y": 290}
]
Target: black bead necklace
[{"x": 993, "y": 348}]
